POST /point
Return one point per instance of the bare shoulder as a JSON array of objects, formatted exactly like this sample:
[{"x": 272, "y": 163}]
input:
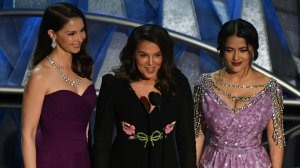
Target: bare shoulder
[
  {"x": 261, "y": 78},
  {"x": 216, "y": 75},
  {"x": 39, "y": 77}
]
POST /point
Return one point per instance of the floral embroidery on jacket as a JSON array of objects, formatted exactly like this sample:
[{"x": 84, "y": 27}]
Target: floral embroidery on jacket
[
  {"x": 128, "y": 129},
  {"x": 169, "y": 127},
  {"x": 155, "y": 135}
]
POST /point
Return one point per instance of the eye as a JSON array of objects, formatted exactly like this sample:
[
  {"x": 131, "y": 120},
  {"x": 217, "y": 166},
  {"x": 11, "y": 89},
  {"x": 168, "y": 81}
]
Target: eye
[
  {"x": 142, "y": 55},
  {"x": 244, "y": 49},
  {"x": 71, "y": 34},
  {"x": 228, "y": 49},
  {"x": 158, "y": 55}
]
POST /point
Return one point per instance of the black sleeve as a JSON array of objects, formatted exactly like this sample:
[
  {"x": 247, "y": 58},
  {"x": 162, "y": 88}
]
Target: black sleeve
[
  {"x": 104, "y": 123},
  {"x": 185, "y": 135}
]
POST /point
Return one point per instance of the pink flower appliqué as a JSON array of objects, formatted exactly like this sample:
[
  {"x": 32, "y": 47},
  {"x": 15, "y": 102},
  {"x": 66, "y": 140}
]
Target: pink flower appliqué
[
  {"x": 169, "y": 127},
  {"x": 128, "y": 129}
]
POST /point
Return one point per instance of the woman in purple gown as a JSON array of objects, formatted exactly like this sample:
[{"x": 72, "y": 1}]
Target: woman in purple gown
[
  {"x": 59, "y": 96},
  {"x": 237, "y": 103}
]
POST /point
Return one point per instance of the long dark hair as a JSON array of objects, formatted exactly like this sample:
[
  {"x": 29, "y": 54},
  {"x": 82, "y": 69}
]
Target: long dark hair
[
  {"x": 242, "y": 29},
  {"x": 55, "y": 17},
  {"x": 166, "y": 74}
]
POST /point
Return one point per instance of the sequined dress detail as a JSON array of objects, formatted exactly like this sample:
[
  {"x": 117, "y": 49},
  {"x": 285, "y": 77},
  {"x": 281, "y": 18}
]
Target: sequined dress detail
[{"x": 236, "y": 138}]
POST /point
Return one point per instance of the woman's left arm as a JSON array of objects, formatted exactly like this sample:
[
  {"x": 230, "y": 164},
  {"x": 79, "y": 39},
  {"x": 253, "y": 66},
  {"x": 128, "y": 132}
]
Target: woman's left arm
[
  {"x": 185, "y": 134},
  {"x": 275, "y": 131},
  {"x": 276, "y": 150}
]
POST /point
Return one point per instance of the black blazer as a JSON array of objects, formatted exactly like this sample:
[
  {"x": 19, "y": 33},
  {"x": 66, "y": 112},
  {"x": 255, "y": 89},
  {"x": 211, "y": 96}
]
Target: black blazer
[{"x": 118, "y": 103}]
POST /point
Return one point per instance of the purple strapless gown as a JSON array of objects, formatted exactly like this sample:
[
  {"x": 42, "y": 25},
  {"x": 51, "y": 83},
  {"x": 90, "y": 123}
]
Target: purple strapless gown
[{"x": 61, "y": 138}]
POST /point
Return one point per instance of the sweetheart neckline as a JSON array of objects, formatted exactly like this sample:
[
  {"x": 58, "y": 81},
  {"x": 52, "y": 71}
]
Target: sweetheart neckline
[{"x": 66, "y": 90}]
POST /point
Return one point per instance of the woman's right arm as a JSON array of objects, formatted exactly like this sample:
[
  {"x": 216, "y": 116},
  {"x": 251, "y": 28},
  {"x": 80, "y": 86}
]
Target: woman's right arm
[
  {"x": 33, "y": 98},
  {"x": 199, "y": 124},
  {"x": 199, "y": 146}
]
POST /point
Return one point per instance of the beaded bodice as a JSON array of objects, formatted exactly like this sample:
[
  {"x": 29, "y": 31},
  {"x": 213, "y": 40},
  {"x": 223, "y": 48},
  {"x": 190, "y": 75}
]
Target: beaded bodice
[
  {"x": 212, "y": 112},
  {"x": 243, "y": 100}
]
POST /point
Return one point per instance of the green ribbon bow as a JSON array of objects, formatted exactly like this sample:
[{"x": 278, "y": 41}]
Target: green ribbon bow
[{"x": 155, "y": 136}]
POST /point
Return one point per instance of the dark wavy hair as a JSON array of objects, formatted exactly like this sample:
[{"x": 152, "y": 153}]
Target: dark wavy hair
[
  {"x": 168, "y": 70},
  {"x": 242, "y": 29},
  {"x": 55, "y": 17}
]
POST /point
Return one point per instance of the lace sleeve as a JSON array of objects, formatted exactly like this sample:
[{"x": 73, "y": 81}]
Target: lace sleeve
[
  {"x": 277, "y": 116},
  {"x": 198, "y": 117}
]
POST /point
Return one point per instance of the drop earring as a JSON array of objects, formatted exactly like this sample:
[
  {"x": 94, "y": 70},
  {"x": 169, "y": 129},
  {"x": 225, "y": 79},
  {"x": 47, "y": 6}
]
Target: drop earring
[{"x": 53, "y": 44}]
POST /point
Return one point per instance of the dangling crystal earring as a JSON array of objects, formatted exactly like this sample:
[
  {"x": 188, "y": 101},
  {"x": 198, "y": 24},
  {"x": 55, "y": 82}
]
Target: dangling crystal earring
[{"x": 53, "y": 44}]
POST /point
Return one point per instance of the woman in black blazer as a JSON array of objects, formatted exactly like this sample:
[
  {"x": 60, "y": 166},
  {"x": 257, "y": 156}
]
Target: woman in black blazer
[{"x": 149, "y": 103}]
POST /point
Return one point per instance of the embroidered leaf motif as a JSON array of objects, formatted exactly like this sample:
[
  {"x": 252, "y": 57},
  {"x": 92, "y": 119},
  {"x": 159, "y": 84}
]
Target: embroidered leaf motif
[{"x": 155, "y": 135}]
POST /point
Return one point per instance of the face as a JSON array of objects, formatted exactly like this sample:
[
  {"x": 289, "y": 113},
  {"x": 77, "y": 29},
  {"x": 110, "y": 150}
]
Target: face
[
  {"x": 237, "y": 55},
  {"x": 148, "y": 58},
  {"x": 71, "y": 36}
]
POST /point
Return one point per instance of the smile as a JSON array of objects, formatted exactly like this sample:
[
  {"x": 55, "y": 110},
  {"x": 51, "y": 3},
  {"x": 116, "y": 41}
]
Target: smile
[
  {"x": 76, "y": 45},
  {"x": 150, "y": 69},
  {"x": 236, "y": 63}
]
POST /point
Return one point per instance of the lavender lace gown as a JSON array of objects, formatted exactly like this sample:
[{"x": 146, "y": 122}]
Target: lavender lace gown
[
  {"x": 235, "y": 138},
  {"x": 61, "y": 139}
]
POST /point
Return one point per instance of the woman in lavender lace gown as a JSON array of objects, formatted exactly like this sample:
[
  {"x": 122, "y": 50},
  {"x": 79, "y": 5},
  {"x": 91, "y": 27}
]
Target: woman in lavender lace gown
[
  {"x": 237, "y": 103},
  {"x": 59, "y": 96}
]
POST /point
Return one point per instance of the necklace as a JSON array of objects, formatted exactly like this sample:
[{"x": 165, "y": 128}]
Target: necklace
[
  {"x": 235, "y": 99},
  {"x": 237, "y": 86},
  {"x": 74, "y": 83},
  {"x": 231, "y": 97},
  {"x": 241, "y": 86}
]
